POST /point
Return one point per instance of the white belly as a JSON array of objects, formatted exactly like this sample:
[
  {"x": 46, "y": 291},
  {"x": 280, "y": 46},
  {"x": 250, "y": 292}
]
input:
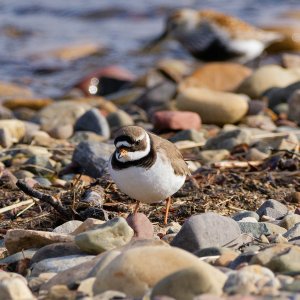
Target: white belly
[
  {"x": 250, "y": 48},
  {"x": 148, "y": 185}
]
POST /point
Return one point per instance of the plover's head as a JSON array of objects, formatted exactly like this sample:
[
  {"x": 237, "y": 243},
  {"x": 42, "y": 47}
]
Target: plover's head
[
  {"x": 132, "y": 143},
  {"x": 177, "y": 24}
]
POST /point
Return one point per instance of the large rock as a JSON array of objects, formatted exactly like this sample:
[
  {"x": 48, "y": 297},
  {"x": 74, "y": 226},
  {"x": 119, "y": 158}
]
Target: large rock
[
  {"x": 94, "y": 121},
  {"x": 213, "y": 107},
  {"x": 55, "y": 250},
  {"x": 224, "y": 77},
  {"x": 206, "y": 230},
  {"x": 14, "y": 287},
  {"x": 136, "y": 270},
  {"x": 60, "y": 114},
  {"x": 19, "y": 239},
  {"x": 290, "y": 221},
  {"x": 118, "y": 119},
  {"x": 91, "y": 158},
  {"x": 228, "y": 140},
  {"x": 266, "y": 77},
  {"x": 112, "y": 234},
  {"x": 187, "y": 283}
]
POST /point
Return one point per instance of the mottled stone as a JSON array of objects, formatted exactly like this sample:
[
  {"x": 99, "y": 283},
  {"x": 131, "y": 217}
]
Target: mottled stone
[{"x": 112, "y": 234}]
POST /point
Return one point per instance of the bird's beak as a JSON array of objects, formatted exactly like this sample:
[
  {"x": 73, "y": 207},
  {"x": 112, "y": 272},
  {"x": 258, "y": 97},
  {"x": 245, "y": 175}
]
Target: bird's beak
[
  {"x": 156, "y": 41},
  {"x": 122, "y": 152}
]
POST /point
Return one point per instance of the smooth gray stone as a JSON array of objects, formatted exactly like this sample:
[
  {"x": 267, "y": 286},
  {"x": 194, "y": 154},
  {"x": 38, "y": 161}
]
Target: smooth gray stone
[
  {"x": 92, "y": 120},
  {"x": 256, "y": 229},
  {"x": 206, "y": 230},
  {"x": 92, "y": 157},
  {"x": 245, "y": 214},
  {"x": 272, "y": 208}
]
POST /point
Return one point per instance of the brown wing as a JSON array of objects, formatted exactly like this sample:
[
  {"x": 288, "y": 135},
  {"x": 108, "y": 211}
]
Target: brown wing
[
  {"x": 236, "y": 27},
  {"x": 178, "y": 163}
]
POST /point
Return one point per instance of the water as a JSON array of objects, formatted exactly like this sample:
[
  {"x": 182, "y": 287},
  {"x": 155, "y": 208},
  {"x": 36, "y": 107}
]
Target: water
[{"x": 35, "y": 26}]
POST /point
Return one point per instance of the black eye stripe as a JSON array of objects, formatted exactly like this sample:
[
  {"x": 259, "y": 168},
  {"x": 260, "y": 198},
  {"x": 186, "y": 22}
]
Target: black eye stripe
[{"x": 124, "y": 138}]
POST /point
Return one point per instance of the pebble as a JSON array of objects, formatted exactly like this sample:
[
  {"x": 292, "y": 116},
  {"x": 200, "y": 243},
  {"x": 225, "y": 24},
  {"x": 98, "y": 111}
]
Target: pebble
[
  {"x": 105, "y": 80},
  {"x": 289, "y": 221},
  {"x": 138, "y": 269},
  {"x": 118, "y": 119},
  {"x": 239, "y": 216},
  {"x": 29, "y": 253},
  {"x": 88, "y": 224},
  {"x": 157, "y": 97},
  {"x": 272, "y": 208},
  {"x": 6, "y": 140},
  {"x": 93, "y": 120},
  {"x": 60, "y": 114},
  {"x": 14, "y": 129},
  {"x": 188, "y": 135},
  {"x": 72, "y": 276},
  {"x": 19, "y": 239},
  {"x": 283, "y": 258},
  {"x": 58, "y": 264},
  {"x": 14, "y": 287},
  {"x": 256, "y": 229},
  {"x": 211, "y": 156},
  {"x": 176, "y": 120},
  {"x": 107, "y": 236},
  {"x": 141, "y": 225},
  {"x": 294, "y": 110},
  {"x": 228, "y": 140},
  {"x": 187, "y": 283},
  {"x": 223, "y": 76},
  {"x": 213, "y": 107},
  {"x": 252, "y": 279},
  {"x": 67, "y": 227},
  {"x": 293, "y": 232},
  {"x": 266, "y": 77},
  {"x": 86, "y": 136},
  {"x": 92, "y": 157},
  {"x": 39, "y": 165},
  {"x": 206, "y": 230},
  {"x": 11, "y": 90}
]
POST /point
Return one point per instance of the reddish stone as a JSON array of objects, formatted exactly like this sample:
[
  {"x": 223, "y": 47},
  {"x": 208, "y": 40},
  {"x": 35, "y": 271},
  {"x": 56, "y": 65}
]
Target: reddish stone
[
  {"x": 112, "y": 72},
  {"x": 176, "y": 120},
  {"x": 141, "y": 225}
]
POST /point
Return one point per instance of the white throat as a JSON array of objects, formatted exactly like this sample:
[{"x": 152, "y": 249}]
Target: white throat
[{"x": 136, "y": 155}]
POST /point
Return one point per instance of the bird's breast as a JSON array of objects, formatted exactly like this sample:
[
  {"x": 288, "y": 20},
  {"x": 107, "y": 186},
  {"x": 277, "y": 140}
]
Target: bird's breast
[{"x": 148, "y": 185}]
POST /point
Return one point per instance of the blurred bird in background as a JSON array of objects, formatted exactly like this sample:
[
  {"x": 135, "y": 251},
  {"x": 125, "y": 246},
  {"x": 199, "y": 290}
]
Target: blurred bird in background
[{"x": 213, "y": 36}]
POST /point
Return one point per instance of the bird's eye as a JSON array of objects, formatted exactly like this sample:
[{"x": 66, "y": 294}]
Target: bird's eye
[{"x": 137, "y": 142}]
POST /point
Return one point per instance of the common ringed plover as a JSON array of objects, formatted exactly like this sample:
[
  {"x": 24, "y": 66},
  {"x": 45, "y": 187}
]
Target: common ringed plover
[{"x": 147, "y": 167}]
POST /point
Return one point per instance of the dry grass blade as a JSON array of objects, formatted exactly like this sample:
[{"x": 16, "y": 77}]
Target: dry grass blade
[{"x": 16, "y": 205}]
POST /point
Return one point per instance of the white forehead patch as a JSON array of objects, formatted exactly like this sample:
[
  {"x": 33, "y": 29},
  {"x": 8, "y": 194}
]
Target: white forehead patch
[
  {"x": 136, "y": 155},
  {"x": 123, "y": 143}
]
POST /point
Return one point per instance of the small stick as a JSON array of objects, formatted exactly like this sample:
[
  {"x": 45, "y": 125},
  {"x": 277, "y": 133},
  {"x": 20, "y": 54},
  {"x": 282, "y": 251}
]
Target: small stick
[
  {"x": 274, "y": 134},
  {"x": 200, "y": 144},
  {"x": 10, "y": 207},
  {"x": 55, "y": 203},
  {"x": 237, "y": 164}
]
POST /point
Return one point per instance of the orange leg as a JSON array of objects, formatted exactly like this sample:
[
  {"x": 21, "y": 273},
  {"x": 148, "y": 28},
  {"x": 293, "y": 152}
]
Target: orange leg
[
  {"x": 168, "y": 204},
  {"x": 136, "y": 207}
]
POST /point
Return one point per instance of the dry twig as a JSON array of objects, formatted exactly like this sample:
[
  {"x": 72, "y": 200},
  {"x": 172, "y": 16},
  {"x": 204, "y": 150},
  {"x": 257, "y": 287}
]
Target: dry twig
[{"x": 55, "y": 203}]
